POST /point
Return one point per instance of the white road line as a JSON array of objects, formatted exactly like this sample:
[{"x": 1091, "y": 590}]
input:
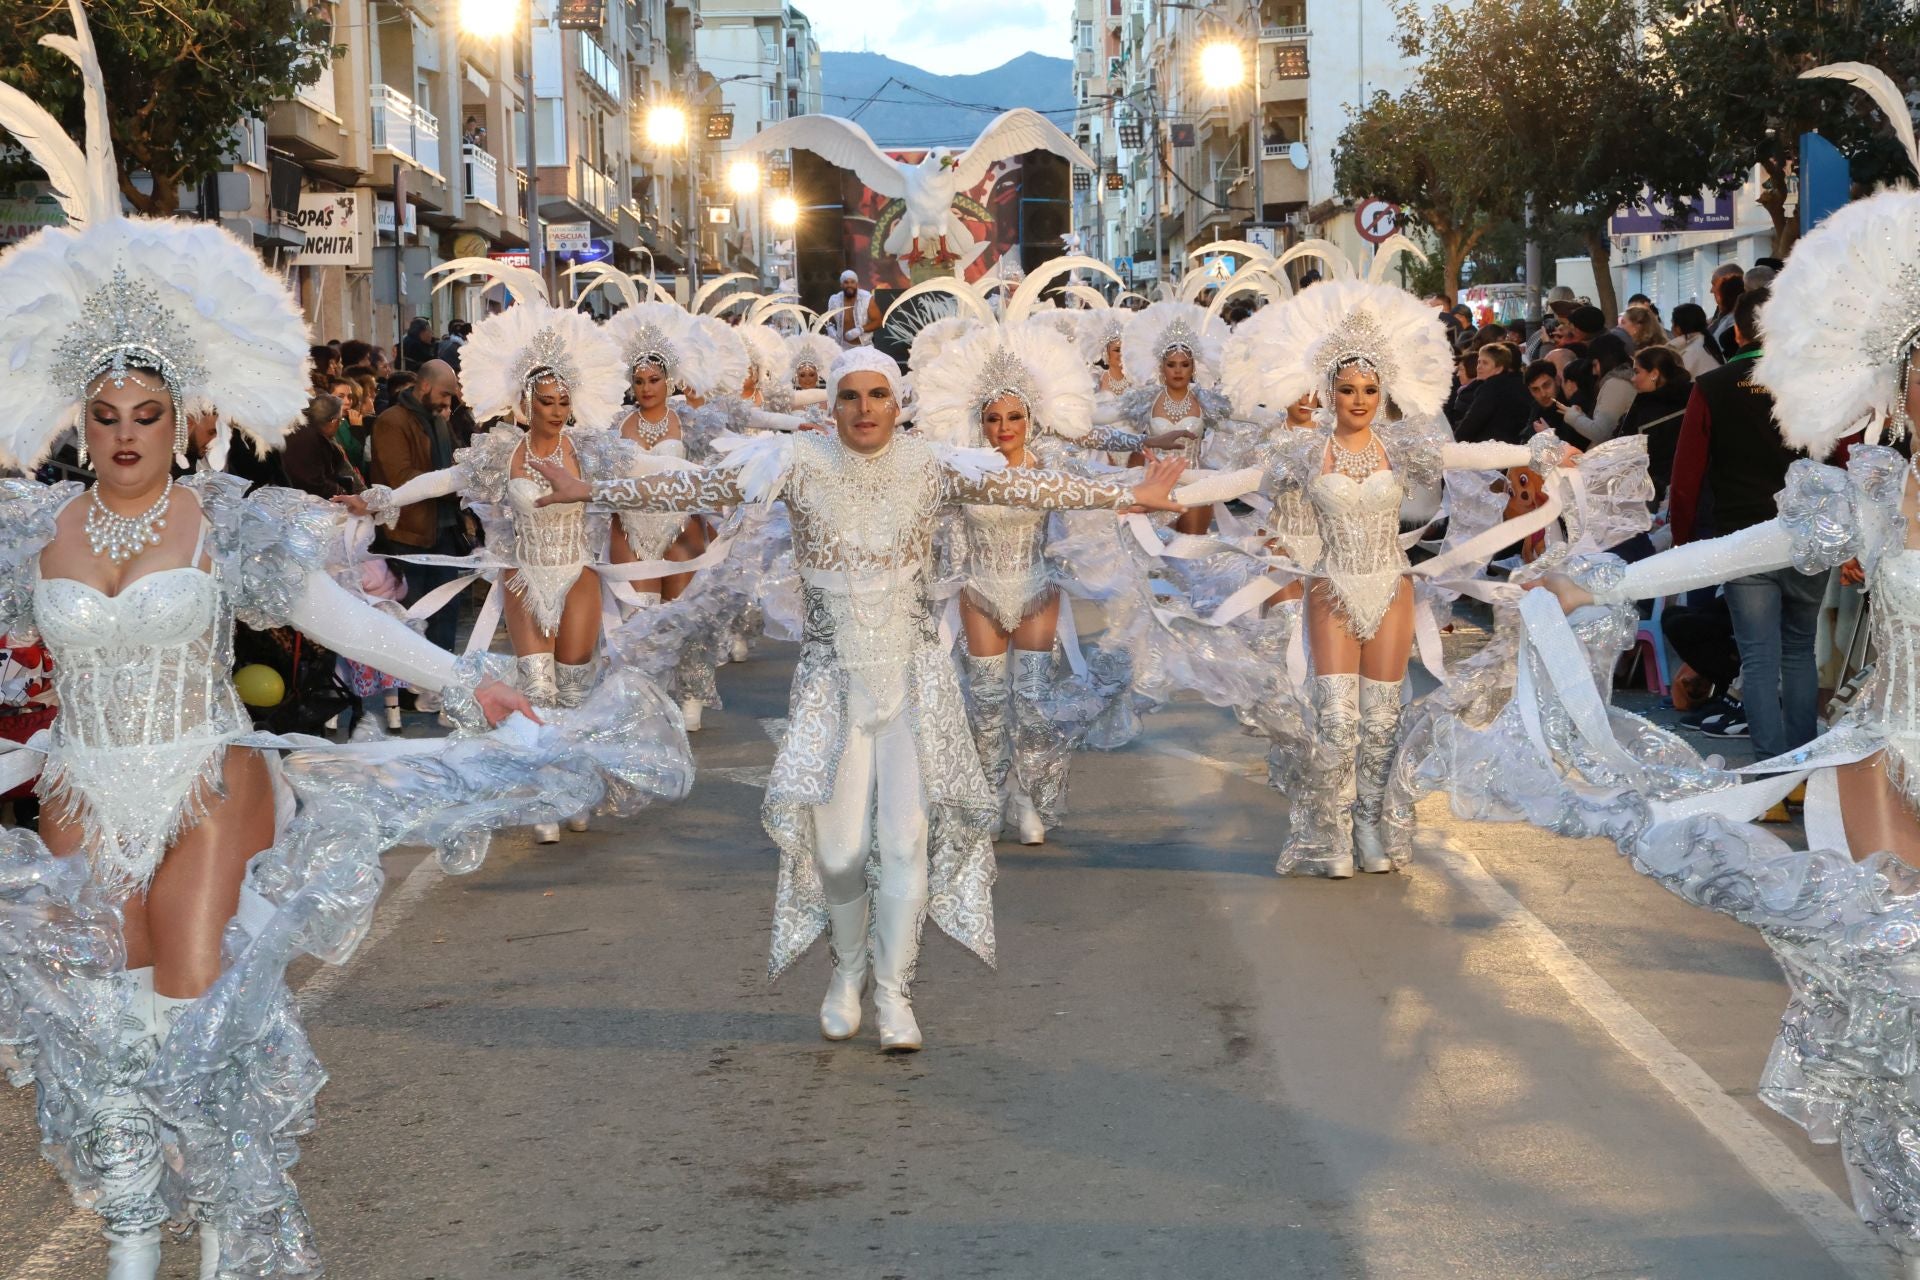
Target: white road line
[
  {"x": 64, "y": 1245},
  {"x": 1771, "y": 1162}
]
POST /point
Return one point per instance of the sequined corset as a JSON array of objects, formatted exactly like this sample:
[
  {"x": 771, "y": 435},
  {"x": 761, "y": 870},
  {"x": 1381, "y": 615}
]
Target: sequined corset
[
  {"x": 1361, "y": 558},
  {"x": 1006, "y": 564},
  {"x": 546, "y": 537},
  {"x": 1189, "y": 449},
  {"x": 146, "y": 668},
  {"x": 1296, "y": 526}
]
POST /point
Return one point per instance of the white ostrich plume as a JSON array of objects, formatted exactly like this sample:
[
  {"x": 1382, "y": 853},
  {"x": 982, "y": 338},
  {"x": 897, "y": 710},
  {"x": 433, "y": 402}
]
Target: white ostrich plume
[
  {"x": 511, "y": 350},
  {"x": 1298, "y": 346},
  {"x": 1033, "y": 361}
]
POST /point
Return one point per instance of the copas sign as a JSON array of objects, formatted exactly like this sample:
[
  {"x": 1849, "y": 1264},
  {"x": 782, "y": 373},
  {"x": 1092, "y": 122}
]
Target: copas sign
[{"x": 339, "y": 229}]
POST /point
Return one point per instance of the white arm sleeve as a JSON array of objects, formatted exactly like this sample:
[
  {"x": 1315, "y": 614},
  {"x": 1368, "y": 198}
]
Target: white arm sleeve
[
  {"x": 1484, "y": 455},
  {"x": 765, "y": 420},
  {"x": 1757, "y": 549},
  {"x": 426, "y": 485},
  {"x": 355, "y": 629},
  {"x": 1223, "y": 486}
]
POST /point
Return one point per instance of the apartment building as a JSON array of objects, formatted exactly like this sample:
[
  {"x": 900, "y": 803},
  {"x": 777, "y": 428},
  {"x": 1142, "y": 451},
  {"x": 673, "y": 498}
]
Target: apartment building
[
  {"x": 765, "y": 67},
  {"x": 1253, "y": 159}
]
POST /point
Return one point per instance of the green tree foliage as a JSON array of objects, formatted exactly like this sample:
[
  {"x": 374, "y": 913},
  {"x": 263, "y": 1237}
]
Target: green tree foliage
[
  {"x": 181, "y": 74},
  {"x": 1729, "y": 70}
]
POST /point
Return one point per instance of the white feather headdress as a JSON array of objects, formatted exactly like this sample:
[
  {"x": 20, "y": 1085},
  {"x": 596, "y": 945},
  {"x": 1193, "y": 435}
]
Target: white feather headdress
[
  {"x": 814, "y": 350},
  {"x": 1098, "y": 327},
  {"x": 766, "y": 352},
  {"x": 717, "y": 364},
  {"x": 938, "y": 336},
  {"x": 661, "y": 332},
  {"x": 1291, "y": 348},
  {"x": 1165, "y": 326},
  {"x": 507, "y": 350},
  {"x": 1840, "y": 324},
  {"x": 108, "y": 293},
  {"x": 1032, "y": 360}
]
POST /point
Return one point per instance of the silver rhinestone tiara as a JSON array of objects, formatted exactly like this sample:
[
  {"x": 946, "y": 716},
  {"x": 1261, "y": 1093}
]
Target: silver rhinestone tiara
[
  {"x": 649, "y": 343},
  {"x": 1004, "y": 374},
  {"x": 123, "y": 326},
  {"x": 1179, "y": 336},
  {"x": 547, "y": 356},
  {"x": 1356, "y": 340}
]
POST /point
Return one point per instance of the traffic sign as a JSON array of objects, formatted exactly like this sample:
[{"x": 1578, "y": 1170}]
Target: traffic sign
[{"x": 1377, "y": 220}]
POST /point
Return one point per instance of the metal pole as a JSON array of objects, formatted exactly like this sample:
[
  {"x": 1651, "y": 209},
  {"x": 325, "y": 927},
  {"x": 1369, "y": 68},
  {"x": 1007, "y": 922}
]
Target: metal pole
[
  {"x": 1159, "y": 242},
  {"x": 1533, "y": 263},
  {"x": 536, "y": 258}
]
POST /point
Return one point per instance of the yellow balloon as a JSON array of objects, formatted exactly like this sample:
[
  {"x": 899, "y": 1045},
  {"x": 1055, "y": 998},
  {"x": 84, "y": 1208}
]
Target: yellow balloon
[{"x": 259, "y": 685}]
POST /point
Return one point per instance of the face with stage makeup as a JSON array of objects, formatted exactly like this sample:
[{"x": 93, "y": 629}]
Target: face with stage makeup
[
  {"x": 550, "y": 406},
  {"x": 865, "y": 411},
  {"x": 1356, "y": 397},
  {"x": 650, "y": 386},
  {"x": 129, "y": 431},
  {"x": 1176, "y": 370},
  {"x": 1005, "y": 422}
]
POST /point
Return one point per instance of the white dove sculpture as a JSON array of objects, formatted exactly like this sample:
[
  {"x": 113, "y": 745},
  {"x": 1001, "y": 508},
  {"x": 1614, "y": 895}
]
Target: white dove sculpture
[{"x": 928, "y": 229}]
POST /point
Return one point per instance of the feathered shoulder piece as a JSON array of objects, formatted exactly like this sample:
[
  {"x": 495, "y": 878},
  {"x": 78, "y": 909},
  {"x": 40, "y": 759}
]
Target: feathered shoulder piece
[
  {"x": 265, "y": 543},
  {"x": 971, "y": 464},
  {"x": 761, "y": 463},
  {"x": 108, "y": 294},
  {"x": 510, "y": 349},
  {"x": 1033, "y": 361},
  {"x": 659, "y": 332},
  {"x": 1170, "y": 326},
  {"x": 604, "y": 455},
  {"x": 1137, "y": 405},
  {"x": 1216, "y": 407},
  {"x": 1298, "y": 346},
  {"x": 27, "y": 512}
]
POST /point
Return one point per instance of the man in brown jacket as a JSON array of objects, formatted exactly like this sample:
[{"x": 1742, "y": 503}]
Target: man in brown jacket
[{"x": 409, "y": 439}]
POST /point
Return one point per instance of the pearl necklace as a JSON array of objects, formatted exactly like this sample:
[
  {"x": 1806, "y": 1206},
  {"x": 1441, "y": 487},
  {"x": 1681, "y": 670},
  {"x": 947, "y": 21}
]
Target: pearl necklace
[
  {"x": 649, "y": 434},
  {"x": 120, "y": 538},
  {"x": 1179, "y": 410},
  {"x": 1356, "y": 465}
]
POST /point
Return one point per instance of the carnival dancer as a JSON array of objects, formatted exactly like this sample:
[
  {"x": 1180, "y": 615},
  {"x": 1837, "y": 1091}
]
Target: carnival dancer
[
  {"x": 555, "y": 371},
  {"x": 848, "y": 313},
  {"x": 1840, "y": 331},
  {"x": 876, "y": 760},
  {"x": 1103, "y": 346},
  {"x": 1019, "y": 386},
  {"x": 143, "y": 944},
  {"x": 1369, "y": 352},
  {"x": 1182, "y": 345}
]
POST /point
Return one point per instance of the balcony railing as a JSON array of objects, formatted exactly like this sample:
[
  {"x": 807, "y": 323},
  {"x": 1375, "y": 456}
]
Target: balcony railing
[
  {"x": 1283, "y": 33},
  {"x": 1276, "y": 150},
  {"x": 405, "y": 128},
  {"x": 596, "y": 188},
  {"x": 483, "y": 176}
]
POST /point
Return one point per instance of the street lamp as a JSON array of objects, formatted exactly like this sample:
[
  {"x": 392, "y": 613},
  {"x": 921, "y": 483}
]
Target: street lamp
[
  {"x": 495, "y": 20},
  {"x": 743, "y": 177},
  {"x": 666, "y": 126},
  {"x": 1222, "y": 66},
  {"x": 785, "y": 212}
]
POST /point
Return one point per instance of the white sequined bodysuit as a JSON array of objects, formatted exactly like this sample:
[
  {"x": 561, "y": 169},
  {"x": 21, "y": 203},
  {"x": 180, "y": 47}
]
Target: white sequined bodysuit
[
  {"x": 650, "y": 533},
  {"x": 1361, "y": 561},
  {"x": 550, "y": 549}
]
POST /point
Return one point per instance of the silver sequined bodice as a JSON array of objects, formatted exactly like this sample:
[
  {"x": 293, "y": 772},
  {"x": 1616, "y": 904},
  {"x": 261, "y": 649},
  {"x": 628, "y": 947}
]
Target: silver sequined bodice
[
  {"x": 1006, "y": 564},
  {"x": 1893, "y": 700},
  {"x": 144, "y": 669},
  {"x": 1361, "y": 560}
]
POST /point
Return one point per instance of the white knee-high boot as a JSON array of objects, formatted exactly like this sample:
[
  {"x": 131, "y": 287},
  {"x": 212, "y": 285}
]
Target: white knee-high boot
[
  {"x": 896, "y": 946},
  {"x": 847, "y": 935},
  {"x": 167, "y": 1010},
  {"x": 1379, "y": 738},
  {"x": 1320, "y": 832},
  {"x": 1038, "y": 785},
  {"x": 121, "y": 1143},
  {"x": 540, "y": 681},
  {"x": 988, "y": 690},
  {"x": 572, "y": 684}
]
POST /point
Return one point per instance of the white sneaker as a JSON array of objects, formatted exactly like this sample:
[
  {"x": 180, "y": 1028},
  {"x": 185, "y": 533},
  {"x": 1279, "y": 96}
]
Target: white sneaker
[
  {"x": 690, "y": 711},
  {"x": 1026, "y": 819}
]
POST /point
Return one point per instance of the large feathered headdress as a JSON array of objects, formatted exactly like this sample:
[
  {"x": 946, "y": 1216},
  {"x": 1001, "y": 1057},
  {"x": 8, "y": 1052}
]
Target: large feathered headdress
[
  {"x": 766, "y": 352},
  {"x": 658, "y": 333},
  {"x": 1170, "y": 326},
  {"x": 810, "y": 350},
  {"x": 108, "y": 294},
  {"x": 1840, "y": 325},
  {"x": 1032, "y": 360},
  {"x": 511, "y": 350},
  {"x": 1101, "y": 326},
  {"x": 1291, "y": 348},
  {"x": 717, "y": 363}
]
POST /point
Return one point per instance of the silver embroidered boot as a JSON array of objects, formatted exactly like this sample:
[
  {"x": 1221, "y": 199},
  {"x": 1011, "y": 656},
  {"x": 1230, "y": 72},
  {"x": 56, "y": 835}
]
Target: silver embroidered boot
[
  {"x": 1320, "y": 830},
  {"x": 896, "y": 946},
  {"x": 119, "y": 1143},
  {"x": 1379, "y": 738},
  {"x": 847, "y": 934},
  {"x": 572, "y": 684},
  {"x": 1038, "y": 780},
  {"x": 987, "y": 692},
  {"x": 167, "y": 1011},
  {"x": 539, "y": 680}
]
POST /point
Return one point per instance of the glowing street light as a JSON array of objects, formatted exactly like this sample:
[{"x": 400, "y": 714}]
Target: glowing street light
[
  {"x": 1222, "y": 65},
  {"x": 743, "y": 177},
  {"x": 489, "y": 19},
  {"x": 785, "y": 211},
  {"x": 666, "y": 126}
]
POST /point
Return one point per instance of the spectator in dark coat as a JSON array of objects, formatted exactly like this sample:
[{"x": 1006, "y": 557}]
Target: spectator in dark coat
[
  {"x": 1663, "y": 387},
  {"x": 1501, "y": 408},
  {"x": 417, "y": 347}
]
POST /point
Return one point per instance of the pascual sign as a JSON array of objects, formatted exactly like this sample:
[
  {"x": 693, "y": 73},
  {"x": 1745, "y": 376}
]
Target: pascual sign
[{"x": 339, "y": 229}]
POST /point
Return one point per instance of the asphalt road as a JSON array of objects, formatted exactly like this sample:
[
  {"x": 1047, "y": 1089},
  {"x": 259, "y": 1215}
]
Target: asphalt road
[{"x": 1521, "y": 1060}]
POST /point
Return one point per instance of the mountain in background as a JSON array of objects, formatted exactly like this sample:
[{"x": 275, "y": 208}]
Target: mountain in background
[{"x": 915, "y": 108}]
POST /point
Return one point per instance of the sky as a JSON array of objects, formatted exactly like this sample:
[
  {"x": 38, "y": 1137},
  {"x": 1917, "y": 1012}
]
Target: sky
[{"x": 946, "y": 37}]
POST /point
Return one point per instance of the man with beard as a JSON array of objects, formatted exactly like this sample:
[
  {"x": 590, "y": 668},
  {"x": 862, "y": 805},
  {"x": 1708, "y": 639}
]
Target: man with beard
[
  {"x": 413, "y": 437},
  {"x": 849, "y": 325}
]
